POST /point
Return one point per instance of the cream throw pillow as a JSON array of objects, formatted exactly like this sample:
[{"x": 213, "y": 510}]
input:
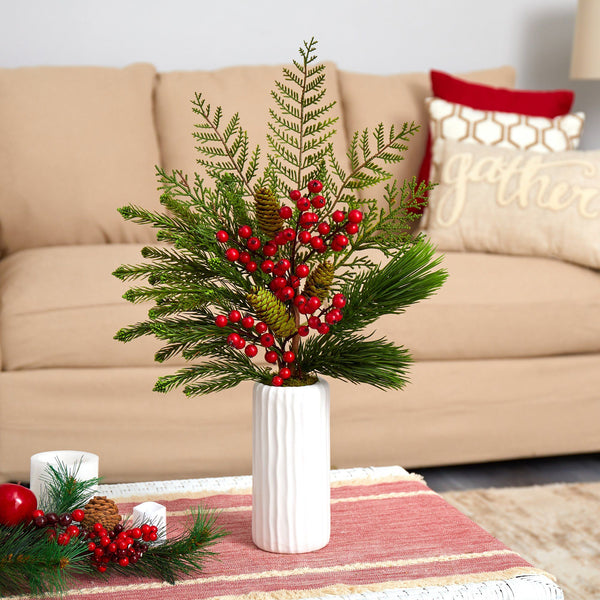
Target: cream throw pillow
[{"x": 516, "y": 202}]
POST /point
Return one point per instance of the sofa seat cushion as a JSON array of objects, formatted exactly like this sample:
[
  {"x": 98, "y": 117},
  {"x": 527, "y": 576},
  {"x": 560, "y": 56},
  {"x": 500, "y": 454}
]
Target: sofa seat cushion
[
  {"x": 498, "y": 306},
  {"x": 76, "y": 143},
  {"x": 61, "y": 307}
]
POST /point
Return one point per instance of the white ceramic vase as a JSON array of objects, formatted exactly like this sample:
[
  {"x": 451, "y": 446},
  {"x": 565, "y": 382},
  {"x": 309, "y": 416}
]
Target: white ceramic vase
[{"x": 290, "y": 468}]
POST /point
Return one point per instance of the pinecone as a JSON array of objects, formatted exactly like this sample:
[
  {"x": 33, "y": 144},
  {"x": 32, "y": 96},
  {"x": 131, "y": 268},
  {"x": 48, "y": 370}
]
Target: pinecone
[
  {"x": 267, "y": 212},
  {"x": 101, "y": 509},
  {"x": 273, "y": 312},
  {"x": 319, "y": 281}
]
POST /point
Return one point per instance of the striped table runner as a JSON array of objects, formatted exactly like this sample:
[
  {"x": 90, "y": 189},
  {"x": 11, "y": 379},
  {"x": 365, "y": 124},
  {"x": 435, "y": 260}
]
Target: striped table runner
[{"x": 388, "y": 533}]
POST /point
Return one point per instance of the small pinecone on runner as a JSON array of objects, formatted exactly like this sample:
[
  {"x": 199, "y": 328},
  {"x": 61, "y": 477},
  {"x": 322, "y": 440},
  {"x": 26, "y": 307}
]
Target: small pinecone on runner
[
  {"x": 267, "y": 212},
  {"x": 101, "y": 509},
  {"x": 319, "y": 281}
]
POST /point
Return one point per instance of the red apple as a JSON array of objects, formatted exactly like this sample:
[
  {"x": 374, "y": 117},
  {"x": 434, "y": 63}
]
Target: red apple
[{"x": 16, "y": 504}]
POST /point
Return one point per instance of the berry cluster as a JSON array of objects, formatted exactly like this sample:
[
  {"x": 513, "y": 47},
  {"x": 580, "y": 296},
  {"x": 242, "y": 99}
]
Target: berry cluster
[
  {"x": 314, "y": 235},
  {"x": 60, "y": 527},
  {"x": 120, "y": 546}
]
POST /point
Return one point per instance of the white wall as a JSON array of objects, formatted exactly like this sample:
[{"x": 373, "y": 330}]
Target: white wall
[{"x": 376, "y": 36}]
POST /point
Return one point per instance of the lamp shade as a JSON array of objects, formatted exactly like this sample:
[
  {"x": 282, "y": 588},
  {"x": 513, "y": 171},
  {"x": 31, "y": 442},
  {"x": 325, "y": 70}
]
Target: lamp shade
[{"x": 585, "y": 59}]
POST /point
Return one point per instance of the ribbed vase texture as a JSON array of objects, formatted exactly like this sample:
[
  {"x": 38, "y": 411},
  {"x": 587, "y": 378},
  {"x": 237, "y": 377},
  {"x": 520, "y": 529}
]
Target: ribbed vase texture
[{"x": 290, "y": 468}]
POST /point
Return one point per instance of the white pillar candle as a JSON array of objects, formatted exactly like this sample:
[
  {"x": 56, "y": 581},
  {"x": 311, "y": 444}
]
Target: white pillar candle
[
  {"x": 82, "y": 465},
  {"x": 152, "y": 513}
]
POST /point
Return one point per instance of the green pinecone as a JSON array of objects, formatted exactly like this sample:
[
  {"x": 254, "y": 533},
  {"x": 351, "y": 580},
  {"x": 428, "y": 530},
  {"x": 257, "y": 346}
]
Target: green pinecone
[
  {"x": 319, "y": 281},
  {"x": 273, "y": 312},
  {"x": 267, "y": 212}
]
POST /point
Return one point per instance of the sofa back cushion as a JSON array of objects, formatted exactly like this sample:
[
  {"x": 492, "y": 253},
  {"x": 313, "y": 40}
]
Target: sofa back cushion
[
  {"x": 76, "y": 143},
  {"x": 244, "y": 90},
  {"x": 397, "y": 99}
]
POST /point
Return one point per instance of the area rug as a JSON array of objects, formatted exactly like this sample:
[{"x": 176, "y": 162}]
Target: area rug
[{"x": 555, "y": 527}]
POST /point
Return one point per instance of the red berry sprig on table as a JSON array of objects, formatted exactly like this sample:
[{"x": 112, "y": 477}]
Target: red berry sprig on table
[{"x": 311, "y": 232}]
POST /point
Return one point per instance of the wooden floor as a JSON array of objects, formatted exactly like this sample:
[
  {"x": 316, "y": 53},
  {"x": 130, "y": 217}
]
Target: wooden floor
[{"x": 539, "y": 471}]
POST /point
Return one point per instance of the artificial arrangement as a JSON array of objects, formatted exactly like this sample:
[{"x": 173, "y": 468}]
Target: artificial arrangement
[
  {"x": 277, "y": 260},
  {"x": 74, "y": 533}
]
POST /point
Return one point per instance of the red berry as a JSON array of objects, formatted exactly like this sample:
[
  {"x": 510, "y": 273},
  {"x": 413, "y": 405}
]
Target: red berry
[
  {"x": 283, "y": 265},
  {"x": 355, "y": 216},
  {"x": 124, "y": 561},
  {"x": 286, "y": 293},
  {"x": 330, "y": 317},
  {"x": 281, "y": 239},
  {"x": 338, "y": 216},
  {"x": 153, "y": 529},
  {"x": 351, "y": 228},
  {"x": 91, "y": 546},
  {"x": 304, "y": 237},
  {"x": 37, "y": 513},
  {"x": 266, "y": 339},
  {"x": 278, "y": 282},
  {"x": 270, "y": 249},
  {"x": 289, "y": 234},
  {"x": 337, "y": 313},
  {"x": 72, "y": 530},
  {"x": 285, "y": 212},
  {"x": 244, "y": 257},
  {"x": 303, "y": 331},
  {"x": 314, "y": 322},
  {"x": 289, "y": 356},
  {"x": 277, "y": 381},
  {"x": 245, "y": 231},
  {"x": 251, "y": 351},
  {"x": 261, "y": 327},
  {"x": 101, "y": 568},
  {"x": 323, "y": 328},
  {"x": 251, "y": 267},
  {"x": 300, "y": 300},
  {"x": 315, "y": 186},
  {"x": 240, "y": 344},
  {"x": 285, "y": 373},
  {"x": 232, "y": 254},
  {"x": 63, "y": 539},
  {"x": 233, "y": 339},
  {"x": 222, "y": 236},
  {"x": 324, "y": 228},
  {"x": 111, "y": 548},
  {"x": 341, "y": 240},
  {"x": 295, "y": 195},
  {"x": 303, "y": 204},
  {"x": 253, "y": 244},
  {"x": 339, "y": 300},
  {"x": 318, "y": 201},
  {"x": 104, "y": 540},
  {"x": 220, "y": 321},
  {"x": 317, "y": 242},
  {"x": 145, "y": 528},
  {"x": 98, "y": 527},
  {"x": 136, "y": 532},
  {"x": 235, "y": 316},
  {"x": 267, "y": 266},
  {"x": 122, "y": 545},
  {"x": 302, "y": 270},
  {"x": 247, "y": 322},
  {"x": 313, "y": 304},
  {"x": 271, "y": 356},
  {"x": 294, "y": 281}
]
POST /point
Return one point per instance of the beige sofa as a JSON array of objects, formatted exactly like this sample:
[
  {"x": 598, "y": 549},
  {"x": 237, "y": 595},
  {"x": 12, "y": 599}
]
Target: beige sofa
[{"x": 508, "y": 353}]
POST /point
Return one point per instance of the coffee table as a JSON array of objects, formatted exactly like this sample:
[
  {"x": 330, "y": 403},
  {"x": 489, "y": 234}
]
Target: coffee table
[{"x": 372, "y": 582}]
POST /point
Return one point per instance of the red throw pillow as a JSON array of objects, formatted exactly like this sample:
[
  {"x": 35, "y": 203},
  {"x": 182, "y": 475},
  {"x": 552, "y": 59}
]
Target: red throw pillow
[{"x": 549, "y": 103}]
